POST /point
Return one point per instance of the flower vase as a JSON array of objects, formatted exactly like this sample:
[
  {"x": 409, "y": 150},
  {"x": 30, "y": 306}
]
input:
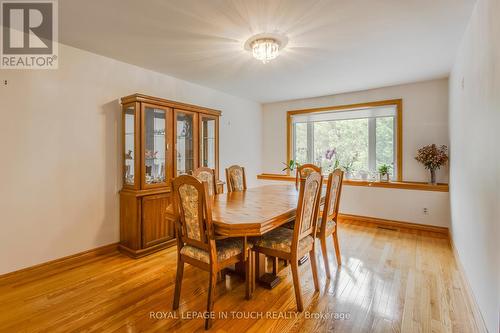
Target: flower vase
[{"x": 433, "y": 177}]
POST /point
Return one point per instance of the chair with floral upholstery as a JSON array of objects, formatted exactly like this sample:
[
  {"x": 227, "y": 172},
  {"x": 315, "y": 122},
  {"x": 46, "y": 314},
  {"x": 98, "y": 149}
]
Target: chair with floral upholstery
[
  {"x": 196, "y": 243},
  {"x": 207, "y": 175},
  {"x": 290, "y": 244},
  {"x": 305, "y": 170},
  {"x": 236, "y": 180},
  {"x": 302, "y": 172},
  {"x": 327, "y": 222}
]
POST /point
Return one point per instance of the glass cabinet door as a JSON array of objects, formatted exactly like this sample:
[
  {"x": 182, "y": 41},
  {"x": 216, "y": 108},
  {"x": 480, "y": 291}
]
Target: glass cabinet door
[
  {"x": 185, "y": 129},
  {"x": 208, "y": 141},
  {"x": 155, "y": 145},
  {"x": 129, "y": 157}
]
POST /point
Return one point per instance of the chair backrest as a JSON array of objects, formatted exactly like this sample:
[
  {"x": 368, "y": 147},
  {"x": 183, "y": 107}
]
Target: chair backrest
[
  {"x": 207, "y": 175},
  {"x": 304, "y": 170},
  {"x": 236, "y": 179},
  {"x": 332, "y": 199},
  {"x": 194, "y": 223},
  {"x": 307, "y": 207}
]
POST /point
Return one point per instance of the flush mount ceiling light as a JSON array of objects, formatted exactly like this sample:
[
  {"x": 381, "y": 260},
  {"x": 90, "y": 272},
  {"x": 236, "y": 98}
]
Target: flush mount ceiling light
[{"x": 266, "y": 47}]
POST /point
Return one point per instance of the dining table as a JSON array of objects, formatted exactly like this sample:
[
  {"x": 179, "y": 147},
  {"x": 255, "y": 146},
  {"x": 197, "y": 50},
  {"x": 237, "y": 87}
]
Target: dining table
[{"x": 253, "y": 212}]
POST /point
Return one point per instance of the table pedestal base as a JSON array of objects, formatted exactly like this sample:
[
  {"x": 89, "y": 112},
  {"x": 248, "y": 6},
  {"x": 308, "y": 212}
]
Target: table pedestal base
[{"x": 269, "y": 280}]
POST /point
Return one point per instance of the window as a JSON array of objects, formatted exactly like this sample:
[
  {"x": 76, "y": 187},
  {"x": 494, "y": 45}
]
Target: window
[{"x": 357, "y": 138}]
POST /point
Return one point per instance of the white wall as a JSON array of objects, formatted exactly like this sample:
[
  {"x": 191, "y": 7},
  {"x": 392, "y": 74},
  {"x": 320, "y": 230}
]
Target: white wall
[
  {"x": 60, "y": 138},
  {"x": 475, "y": 157},
  {"x": 425, "y": 121}
]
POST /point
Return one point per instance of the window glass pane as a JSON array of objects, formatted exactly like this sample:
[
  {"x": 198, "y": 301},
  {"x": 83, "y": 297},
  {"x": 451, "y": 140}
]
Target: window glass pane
[
  {"x": 155, "y": 145},
  {"x": 207, "y": 143},
  {"x": 185, "y": 152},
  {"x": 300, "y": 144},
  {"x": 385, "y": 142},
  {"x": 349, "y": 139},
  {"x": 129, "y": 145},
  {"x": 361, "y": 139}
]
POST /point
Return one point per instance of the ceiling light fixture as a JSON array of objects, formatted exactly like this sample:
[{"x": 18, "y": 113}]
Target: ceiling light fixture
[
  {"x": 266, "y": 47},
  {"x": 265, "y": 50}
]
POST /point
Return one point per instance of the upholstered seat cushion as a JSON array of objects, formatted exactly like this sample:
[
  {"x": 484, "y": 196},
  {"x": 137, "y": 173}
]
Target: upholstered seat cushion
[
  {"x": 226, "y": 248},
  {"x": 281, "y": 239},
  {"x": 330, "y": 226}
]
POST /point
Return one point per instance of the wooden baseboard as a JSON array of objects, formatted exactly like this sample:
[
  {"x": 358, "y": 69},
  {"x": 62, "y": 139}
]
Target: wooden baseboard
[
  {"x": 144, "y": 252},
  {"x": 474, "y": 310},
  {"x": 347, "y": 218},
  {"x": 64, "y": 261}
]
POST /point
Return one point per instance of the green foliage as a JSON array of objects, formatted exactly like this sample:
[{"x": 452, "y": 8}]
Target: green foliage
[
  {"x": 349, "y": 138},
  {"x": 292, "y": 165},
  {"x": 301, "y": 143},
  {"x": 384, "y": 141},
  {"x": 384, "y": 169}
]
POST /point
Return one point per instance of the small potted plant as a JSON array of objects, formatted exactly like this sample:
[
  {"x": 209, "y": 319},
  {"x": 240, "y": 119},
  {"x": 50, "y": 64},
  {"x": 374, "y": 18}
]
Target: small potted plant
[
  {"x": 384, "y": 173},
  {"x": 291, "y": 165},
  {"x": 432, "y": 158},
  {"x": 348, "y": 166}
]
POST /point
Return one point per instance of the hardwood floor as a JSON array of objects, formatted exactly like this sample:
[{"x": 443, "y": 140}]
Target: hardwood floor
[{"x": 390, "y": 281}]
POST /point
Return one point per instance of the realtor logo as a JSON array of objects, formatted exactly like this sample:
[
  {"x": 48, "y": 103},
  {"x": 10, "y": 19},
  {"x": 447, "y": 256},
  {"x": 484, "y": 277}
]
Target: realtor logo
[{"x": 29, "y": 34}]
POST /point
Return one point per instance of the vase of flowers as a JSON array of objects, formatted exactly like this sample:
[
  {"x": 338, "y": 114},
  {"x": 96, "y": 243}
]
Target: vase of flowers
[
  {"x": 383, "y": 172},
  {"x": 331, "y": 157},
  {"x": 348, "y": 166},
  {"x": 432, "y": 157}
]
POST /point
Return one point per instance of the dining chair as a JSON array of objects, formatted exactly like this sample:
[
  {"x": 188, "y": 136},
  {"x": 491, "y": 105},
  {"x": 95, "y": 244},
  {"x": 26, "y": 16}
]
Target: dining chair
[
  {"x": 290, "y": 244},
  {"x": 196, "y": 242},
  {"x": 327, "y": 222},
  {"x": 236, "y": 179},
  {"x": 207, "y": 175},
  {"x": 304, "y": 170}
]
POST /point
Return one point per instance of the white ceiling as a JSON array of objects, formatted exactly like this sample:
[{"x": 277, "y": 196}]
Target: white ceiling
[{"x": 334, "y": 45}]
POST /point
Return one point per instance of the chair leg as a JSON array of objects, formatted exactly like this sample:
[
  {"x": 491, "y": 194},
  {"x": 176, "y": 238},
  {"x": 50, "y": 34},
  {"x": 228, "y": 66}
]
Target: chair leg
[
  {"x": 296, "y": 284},
  {"x": 178, "y": 282},
  {"x": 324, "y": 251},
  {"x": 248, "y": 276},
  {"x": 314, "y": 268},
  {"x": 211, "y": 299},
  {"x": 337, "y": 248}
]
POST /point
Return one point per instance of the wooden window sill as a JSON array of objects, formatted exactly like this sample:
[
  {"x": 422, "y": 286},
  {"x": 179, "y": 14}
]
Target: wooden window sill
[{"x": 399, "y": 185}]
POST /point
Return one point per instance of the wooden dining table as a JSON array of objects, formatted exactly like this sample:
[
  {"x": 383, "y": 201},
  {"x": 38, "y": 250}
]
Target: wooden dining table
[{"x": 255, "y": 211}]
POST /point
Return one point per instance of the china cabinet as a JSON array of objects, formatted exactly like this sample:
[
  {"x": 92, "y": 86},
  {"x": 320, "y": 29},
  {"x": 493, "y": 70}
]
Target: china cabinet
[{"x": 161, "y": 140}]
